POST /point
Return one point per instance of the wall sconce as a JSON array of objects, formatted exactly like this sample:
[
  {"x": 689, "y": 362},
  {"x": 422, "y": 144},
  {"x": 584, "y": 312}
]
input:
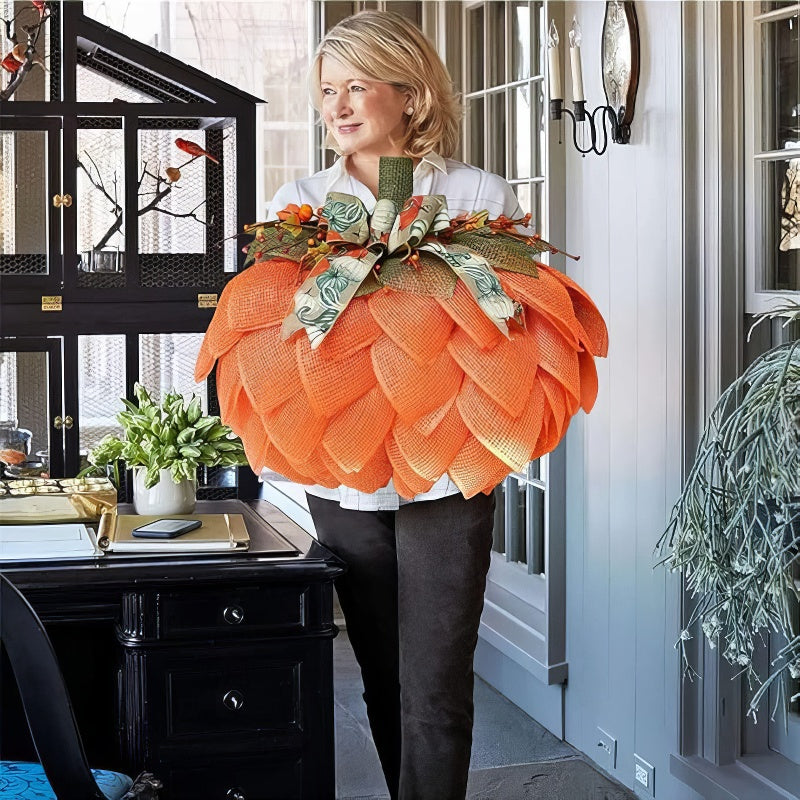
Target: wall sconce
[{"x": 620, "y": 69}]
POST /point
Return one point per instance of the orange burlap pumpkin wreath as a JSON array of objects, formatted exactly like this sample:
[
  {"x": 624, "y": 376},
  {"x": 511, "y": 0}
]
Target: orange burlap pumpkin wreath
[{"x": 431, "y": 345}]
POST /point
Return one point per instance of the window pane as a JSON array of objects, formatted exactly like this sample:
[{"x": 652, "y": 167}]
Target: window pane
[
  {"x": 521, "y": 145},
  {"x": 474, "y": 154},
  {"x": 530, "y": 200},
  {"x": 523, "y": 191},
  {"x": 773, "y": 5},
  {"x": 496, "y": 55},
  {"x": 496, "y": 124},
  {"x": 781, "y": 224},
  {"x": 535, "y": 498},
  {"x": 523, "y": 42},
  {"x": 781, "y": 83},
  {"x": 101, "y": 384},
  {"x": 499, "y": 533},
  {"x": 101, "y": 196},
  {"x": 23, "y": 203},
  {"x": 516, "y": 520},
  {"x": 475, "y": 54},
  {"x": 24, "y": 407}
]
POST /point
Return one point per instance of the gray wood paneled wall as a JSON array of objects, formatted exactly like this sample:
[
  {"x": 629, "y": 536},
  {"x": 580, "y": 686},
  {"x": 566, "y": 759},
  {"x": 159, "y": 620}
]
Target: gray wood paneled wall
[{"x": 624, "y": 214}]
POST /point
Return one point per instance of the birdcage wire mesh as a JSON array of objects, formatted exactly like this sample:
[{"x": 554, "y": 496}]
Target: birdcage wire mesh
[
  {"x": 23, "y": 202},
  {"x": 8, "y": 386},
  {"x": 92, "y": 86},
  {"x": 39, "y": 84},
  {"x": 166, "y": 362},
  {"x": 53, "y": 49},
  {"x": 180, "y": 217},
  {"x": 143, "y": 82},
  {"x": 101, "y": 198},
  {"x": 101, "y": 384},
  {"x": 230, "y": 245}
]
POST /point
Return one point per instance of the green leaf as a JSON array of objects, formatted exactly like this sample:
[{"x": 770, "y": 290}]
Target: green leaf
[{"x": 194, "y": 411}]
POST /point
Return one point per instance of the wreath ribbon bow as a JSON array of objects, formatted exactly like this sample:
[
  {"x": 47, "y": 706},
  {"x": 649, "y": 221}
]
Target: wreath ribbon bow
[{"x": 361, "y": 241}]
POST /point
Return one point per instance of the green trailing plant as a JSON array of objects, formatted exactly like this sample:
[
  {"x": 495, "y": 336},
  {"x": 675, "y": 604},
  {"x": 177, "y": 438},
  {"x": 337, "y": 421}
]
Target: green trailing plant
[
  {"x": 734, "y": 532},
  {"x": 173, "y": 435}
]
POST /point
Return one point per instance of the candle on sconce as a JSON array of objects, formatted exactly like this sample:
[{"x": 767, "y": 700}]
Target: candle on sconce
[
  {"x": 555, "y": 66},
  {"x": 575, "y": 62}
]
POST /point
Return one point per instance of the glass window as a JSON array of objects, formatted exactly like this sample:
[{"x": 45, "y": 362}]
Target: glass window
[
  {"x": 772, "y": 140},
  {"x": 505, "y": 133}
]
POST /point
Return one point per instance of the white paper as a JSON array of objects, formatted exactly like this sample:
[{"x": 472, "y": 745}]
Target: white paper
[{"x": 71, "y": 540}]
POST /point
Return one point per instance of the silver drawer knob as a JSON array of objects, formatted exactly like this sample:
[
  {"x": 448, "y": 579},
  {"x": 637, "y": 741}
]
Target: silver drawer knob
[
  {"x": 233, "y": 615},
  {"x": 235, "y": 794},
  {"x": 233, "y": 700}
]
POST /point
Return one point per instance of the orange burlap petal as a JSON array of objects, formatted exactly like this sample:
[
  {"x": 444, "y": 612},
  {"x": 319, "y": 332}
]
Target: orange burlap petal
[
  {"x": 233, "y": 402},
  {"x": 556, "y": 355},
  {"x": 509, "y": 438},
  {"x": 354, "y": 434},
  {"x": 416, "y": 323},
  {"x": 268, "y": 368},
  {"x": 407, "y": 482},
  {"x": 588, "y": 373},
  {"x": 475, "y": 469},
  {"x": 430, "y": 455},
  {"x": 261, "y": 295},
  {"x": 547, "y": 296},
  {"x": 414, "y": 390},
  {"x": 294, "y": 428},
  {"x": 427, "y": 424},
  {"x": 219, "y": 339},
  {"x": 586, "y": 313},
  {"x": 467, "y": 314},
  {"x": 332, "y": 386},
  {"x": 360, "y": 331},
  {"x": 404, "y": 387},
  {"x": 375, "y": 474},
  {"x": 506, "y": 373}
]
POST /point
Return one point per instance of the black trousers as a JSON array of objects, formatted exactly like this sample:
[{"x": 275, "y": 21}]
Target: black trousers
[{"x": 412, "y": 599}]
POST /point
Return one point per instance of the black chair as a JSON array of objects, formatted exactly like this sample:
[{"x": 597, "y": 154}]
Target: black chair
[{"x": 63, "y": 773}]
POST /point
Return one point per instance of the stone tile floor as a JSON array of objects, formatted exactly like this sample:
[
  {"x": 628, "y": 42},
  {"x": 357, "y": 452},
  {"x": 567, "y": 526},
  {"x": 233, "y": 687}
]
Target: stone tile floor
[{"x": 503, "y": 736}]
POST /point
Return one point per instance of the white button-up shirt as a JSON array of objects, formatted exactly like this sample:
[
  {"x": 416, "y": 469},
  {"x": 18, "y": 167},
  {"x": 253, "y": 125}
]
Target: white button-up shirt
[{"x": 467, "y": 189}]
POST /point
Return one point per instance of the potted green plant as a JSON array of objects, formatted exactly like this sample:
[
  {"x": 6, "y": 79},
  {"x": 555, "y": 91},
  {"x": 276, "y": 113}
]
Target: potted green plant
[
  {"x": 164, "y": 444},
  {"x": 734, "y": 531}
]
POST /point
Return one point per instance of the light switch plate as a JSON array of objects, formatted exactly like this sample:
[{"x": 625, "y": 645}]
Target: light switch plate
[{"x": 644, "y": 775}]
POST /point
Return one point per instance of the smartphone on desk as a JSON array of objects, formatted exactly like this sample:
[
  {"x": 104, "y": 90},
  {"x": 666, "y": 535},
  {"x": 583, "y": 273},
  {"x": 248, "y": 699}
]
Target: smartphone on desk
[{"x": 166, "y": 528}]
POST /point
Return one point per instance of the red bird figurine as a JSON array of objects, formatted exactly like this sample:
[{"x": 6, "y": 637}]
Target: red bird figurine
[
  {"x": 41, "y": 6},
  {"x": 10, "y": 64},
  {"x": 194, "y": 149}
]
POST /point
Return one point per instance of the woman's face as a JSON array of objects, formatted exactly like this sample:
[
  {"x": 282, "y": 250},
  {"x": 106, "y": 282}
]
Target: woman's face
[{"x": 366, "y": 117}]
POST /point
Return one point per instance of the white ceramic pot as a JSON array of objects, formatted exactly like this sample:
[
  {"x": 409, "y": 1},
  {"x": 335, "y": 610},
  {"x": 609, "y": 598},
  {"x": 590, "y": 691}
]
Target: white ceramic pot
[{"x": 166, "y": 497}]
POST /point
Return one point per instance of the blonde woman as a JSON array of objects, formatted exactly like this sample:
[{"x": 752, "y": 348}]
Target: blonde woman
[{"x": 413, "y": 593}]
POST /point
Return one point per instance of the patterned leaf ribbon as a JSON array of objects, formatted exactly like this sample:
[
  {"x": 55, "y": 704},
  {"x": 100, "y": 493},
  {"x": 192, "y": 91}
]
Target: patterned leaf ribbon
[{"x": 359, "y": 241}]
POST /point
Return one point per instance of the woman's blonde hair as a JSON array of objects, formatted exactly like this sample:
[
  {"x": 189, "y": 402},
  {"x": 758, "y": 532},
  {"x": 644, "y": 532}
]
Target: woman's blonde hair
[{"x": 387, "y": 47}]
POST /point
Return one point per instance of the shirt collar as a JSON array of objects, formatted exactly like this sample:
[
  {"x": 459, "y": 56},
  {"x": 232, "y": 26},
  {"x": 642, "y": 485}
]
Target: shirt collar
[{"x": 427, "y": 162}]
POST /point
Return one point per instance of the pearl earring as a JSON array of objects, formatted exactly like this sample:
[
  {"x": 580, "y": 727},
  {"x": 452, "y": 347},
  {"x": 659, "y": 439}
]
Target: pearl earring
[{"x": 410, "y": 110}]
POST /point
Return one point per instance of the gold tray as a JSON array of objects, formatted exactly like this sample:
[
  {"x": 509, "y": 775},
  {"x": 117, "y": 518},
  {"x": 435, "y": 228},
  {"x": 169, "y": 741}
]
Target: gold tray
[{"x": 31, "y": 500}]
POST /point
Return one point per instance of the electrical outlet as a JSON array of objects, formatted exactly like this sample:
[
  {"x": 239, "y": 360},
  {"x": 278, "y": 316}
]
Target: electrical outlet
[
  {"x": 606, "y": 750},
  {"x": 644, "y": 774}
]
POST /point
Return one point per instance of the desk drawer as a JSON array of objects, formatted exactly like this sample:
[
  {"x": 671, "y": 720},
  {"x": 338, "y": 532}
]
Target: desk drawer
[
  {"x": 232, "y": 611},
  {"x": 277, "y": 780},
  {"x": 227, "y": 700}
]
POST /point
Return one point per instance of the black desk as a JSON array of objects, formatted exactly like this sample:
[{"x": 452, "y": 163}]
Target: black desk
[{"x": 212, "y": 671}]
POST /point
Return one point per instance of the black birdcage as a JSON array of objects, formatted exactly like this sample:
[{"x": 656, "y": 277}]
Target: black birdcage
[
  {"x": 154, "y": 181},
  {"x": 125, "y": 177}
]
